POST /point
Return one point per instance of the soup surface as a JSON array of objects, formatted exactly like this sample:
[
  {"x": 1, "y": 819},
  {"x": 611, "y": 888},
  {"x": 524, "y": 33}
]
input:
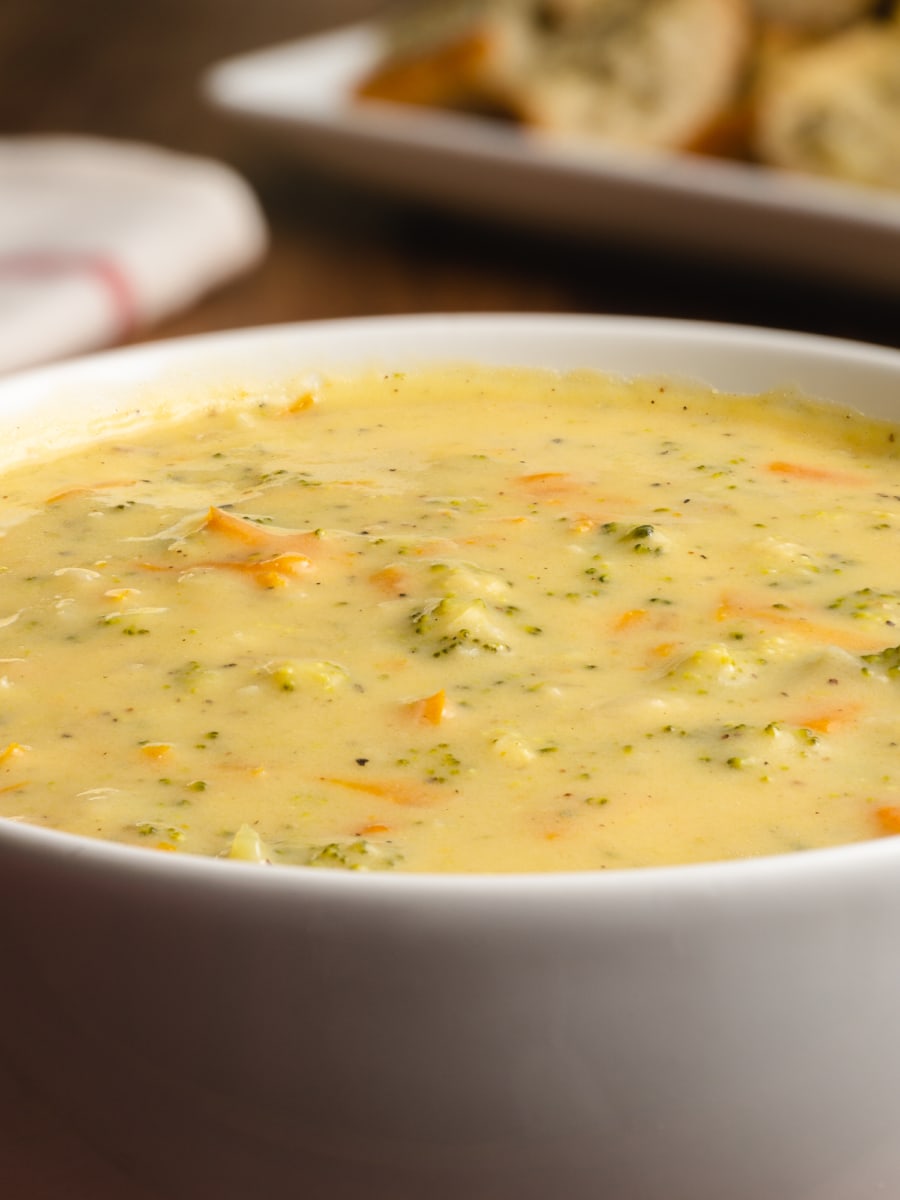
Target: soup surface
[{"x": 462, "y": 620}]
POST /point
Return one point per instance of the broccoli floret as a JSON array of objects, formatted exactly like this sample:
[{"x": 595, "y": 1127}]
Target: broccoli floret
[{"x": 886, "y": 660}]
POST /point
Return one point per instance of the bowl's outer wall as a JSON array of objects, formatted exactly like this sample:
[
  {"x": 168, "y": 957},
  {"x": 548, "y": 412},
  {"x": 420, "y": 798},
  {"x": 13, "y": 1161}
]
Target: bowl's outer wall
[
  {"x": 706, "y": 1041},
  {"x": 691, "y": 1034}
]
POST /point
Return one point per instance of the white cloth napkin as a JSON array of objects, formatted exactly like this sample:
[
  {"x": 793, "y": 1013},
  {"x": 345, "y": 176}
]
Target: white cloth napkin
[{"x": 101, "y": 238}]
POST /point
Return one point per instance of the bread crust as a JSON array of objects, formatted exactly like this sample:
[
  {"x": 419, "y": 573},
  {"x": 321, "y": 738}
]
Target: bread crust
[
  {"x": 447, "y": 76},
  {"x": 656, "y": 73},
  {"x": 814, "y": 16},
  {"x": 833, "y": 108},
  {"x": 707, "y": 76}
]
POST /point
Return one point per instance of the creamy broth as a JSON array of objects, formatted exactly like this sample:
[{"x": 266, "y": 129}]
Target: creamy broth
[{"x": 461, "y": 620}]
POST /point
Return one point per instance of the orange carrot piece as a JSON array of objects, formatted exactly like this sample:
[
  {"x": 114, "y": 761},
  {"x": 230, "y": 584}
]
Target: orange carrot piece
[
  {"x": 435, "y": 707},
  {"x": 156, "y": 750},
  {"x": 242, "y": 767},
  {"x": 249, "y": 533},
  {"x": 542, "y": 477},
  {"x": 795, "y": 470},
  {"x": 888, "y": 817},
  {"x": 633, "y": 616},
  {"x": 792, "y": 622},
  {"x": 375, "y": 827},
  {"x": 85, "y": 489},
  {"x": 267, "y": 572},
  {"x": 825, "y": 722},
  {"x": 13, "y": 750},
  {"x": 549, "y": 483},
  {"x": 828, "y": 635},
  {"x": 275, "y": 572},
  {"x": 236, "y": 527},
  {"x": 435, "y": 547},
  {"x": 392, "y": 580},
  {"x": 302, "y": 403},
  {"x": 663, "y": 649},
  {"x": 400, "y": 791},
  {"x": 391, "y": 665},
  {"x": 430, "y": 709}
]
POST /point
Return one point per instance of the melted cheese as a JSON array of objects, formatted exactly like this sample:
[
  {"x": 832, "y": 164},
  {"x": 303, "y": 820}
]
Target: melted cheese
[{"x": 466, "y": 620}]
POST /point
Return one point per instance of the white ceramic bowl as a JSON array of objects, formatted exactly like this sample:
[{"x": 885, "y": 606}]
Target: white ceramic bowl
[{"x": 714, "y": 1032}]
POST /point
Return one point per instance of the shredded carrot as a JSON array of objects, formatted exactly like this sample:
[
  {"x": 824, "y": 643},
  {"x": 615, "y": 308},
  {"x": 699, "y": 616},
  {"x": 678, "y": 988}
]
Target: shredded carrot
[
  {"x": 85, "y": 489},
  {"x": 431, "y": 709},
  {"x": 249, "y": 533},
  {"x": 156, "y": 749},
  {"x": 797, "y": 623},
  {"x": 824, "y": 722},
  {"x": 267, "y": 572},
  {"x": 274, "y": 572},
  {"x": 435, "y": 548},
  {"x": 400, "y": 790},
  {"x": 392, "y": 580},
  {"x": 663, "y": 650},
  {"x": 237, "y": 527},
  {"x": 796, "y": 470},
  {"x": 888, "y": 817},
  {"x": 396, "y": 662},
  {"x": 543, "y": 477},
  {"x": 254, "y": 770},
  {"x": 633, "y": 616},
  {"x": 303, "y": 403},
  {"x": 13, "y": 750},
  {"x": 13, "y": 787},
  {"x": 496, "y": 531},
  {"x": 549, "y": 484},
  {"x": 292, "y": 551},
  {"x": 374, "y": 828}
]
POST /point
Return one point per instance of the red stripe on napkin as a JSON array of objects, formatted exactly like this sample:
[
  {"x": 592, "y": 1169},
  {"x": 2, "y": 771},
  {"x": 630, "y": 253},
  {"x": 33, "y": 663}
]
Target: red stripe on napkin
[{"x": 105, "y": 271}]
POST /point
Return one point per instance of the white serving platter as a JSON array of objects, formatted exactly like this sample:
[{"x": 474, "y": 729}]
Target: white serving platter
[{"x": 712, "y": 208}]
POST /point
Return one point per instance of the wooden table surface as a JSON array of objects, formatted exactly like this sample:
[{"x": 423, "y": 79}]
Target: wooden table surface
[{"x": 130, "y": 70}]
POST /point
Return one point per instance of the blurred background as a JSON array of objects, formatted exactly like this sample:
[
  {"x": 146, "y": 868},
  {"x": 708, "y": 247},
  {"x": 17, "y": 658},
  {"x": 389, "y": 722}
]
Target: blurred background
[{"x": 132, "y": 70}]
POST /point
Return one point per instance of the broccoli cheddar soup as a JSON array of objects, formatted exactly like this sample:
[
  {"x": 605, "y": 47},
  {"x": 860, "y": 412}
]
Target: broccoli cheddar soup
[{"x": 460, "y": 620}]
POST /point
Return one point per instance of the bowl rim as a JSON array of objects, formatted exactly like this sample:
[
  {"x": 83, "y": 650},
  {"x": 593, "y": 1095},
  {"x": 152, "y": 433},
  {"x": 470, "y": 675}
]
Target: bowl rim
[
  {"x": 126, "y": 366},
  {"x": 179, "y": 350}
]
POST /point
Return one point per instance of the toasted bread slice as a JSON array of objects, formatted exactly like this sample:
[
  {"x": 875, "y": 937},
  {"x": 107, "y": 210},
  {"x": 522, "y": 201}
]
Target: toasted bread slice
[
  {"x": 658, "y": 73},
  {"x": 441, "y": 55},
  {"x": 453, "y": 75},
  {"x": 662, "y": 73},
  {"x": 833, "y": 108}
]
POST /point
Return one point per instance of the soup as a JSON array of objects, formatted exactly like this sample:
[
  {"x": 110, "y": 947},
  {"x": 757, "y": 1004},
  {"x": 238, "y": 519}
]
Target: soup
[{"x": 459, "y": 620}]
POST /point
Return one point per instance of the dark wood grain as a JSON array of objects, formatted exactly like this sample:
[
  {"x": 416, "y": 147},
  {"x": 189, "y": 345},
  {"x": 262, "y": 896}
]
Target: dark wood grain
[{"x": 131, "y": 70}]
